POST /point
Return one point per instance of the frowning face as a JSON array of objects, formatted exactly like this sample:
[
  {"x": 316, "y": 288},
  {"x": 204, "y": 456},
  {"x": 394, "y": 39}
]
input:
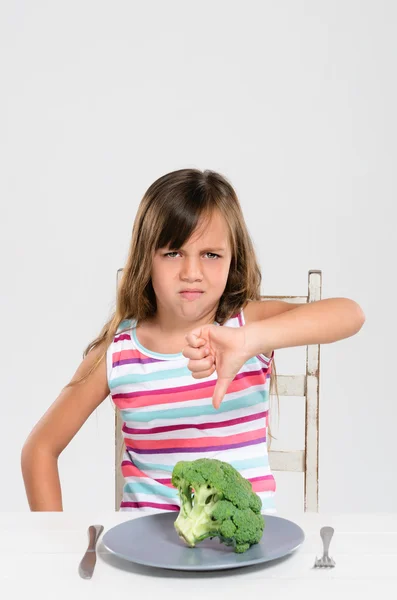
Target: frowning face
[{"x": 189, "y": 281}]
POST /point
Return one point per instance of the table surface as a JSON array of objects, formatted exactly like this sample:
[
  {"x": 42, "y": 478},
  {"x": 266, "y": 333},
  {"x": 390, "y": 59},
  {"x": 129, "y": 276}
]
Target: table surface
[{"x": 40, "y": 554}]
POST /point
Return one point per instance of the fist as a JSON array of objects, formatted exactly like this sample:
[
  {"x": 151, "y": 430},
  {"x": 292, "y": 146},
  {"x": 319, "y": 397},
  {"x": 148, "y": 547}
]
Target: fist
[{"x": 212, "y": 348}]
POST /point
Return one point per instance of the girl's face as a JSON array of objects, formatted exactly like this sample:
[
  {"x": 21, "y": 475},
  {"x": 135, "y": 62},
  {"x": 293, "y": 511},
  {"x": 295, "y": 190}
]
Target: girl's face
[{"x": 202, "y": 264}]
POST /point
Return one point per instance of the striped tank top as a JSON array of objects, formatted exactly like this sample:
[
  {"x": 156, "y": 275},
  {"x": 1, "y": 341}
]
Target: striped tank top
[{"x": 168, "y": 416}]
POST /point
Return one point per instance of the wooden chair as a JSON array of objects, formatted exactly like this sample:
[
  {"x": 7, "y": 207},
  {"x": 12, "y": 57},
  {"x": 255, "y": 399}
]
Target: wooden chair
[{"x": 305, "y": 386}]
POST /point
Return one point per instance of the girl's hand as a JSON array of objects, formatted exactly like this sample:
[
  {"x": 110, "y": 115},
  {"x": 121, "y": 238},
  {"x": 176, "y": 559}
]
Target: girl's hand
[{"x": 211, "y": 348}]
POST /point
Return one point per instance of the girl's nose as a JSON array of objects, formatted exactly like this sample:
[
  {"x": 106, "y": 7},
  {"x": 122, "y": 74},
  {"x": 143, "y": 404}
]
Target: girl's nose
[{"x": 191, "y": 269}]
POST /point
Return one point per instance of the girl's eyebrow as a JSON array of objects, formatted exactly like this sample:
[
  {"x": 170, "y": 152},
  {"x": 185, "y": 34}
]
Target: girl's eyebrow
[{"x": 209, "y": 249}]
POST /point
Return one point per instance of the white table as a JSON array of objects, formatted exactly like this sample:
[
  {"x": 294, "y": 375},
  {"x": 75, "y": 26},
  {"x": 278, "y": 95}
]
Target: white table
[{"x": 40, "y": 553}]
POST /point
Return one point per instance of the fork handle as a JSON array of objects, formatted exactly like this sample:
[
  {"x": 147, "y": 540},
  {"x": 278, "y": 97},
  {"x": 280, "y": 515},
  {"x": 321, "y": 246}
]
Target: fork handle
[{"x": 326, "y": 534}]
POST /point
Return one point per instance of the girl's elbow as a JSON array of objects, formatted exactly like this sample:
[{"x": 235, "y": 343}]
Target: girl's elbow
[
  {"x": 26, "y": 457},
  {"x": 33, "y": 448},
  {"x": 28, "y": 449}
]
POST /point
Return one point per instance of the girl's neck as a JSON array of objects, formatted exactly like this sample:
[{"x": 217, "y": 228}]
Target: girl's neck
[{"x": 166, "y": 327}]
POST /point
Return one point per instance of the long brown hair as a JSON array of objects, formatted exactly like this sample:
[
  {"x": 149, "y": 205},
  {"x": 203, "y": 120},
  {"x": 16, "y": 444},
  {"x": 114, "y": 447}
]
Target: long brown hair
[{"x": 168, "y": 214}]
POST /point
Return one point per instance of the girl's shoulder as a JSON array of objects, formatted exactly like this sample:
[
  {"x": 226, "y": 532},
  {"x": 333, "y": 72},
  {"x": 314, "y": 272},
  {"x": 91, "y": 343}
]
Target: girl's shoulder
[
  {"x": 125, "y": 325},
  {"x": 236, "y": 320}
]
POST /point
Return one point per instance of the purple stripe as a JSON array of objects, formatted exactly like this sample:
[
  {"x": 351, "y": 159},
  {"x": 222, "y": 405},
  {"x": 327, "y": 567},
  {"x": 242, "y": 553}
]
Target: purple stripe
[
  {"x": 201, "y": 449},
  {"x": 122, "y": 336},
  {"x": 132, "y": 361},
  {"x": 128, "y": 463},
  {"x": 165, "y": 428},
  {"x": 250, "y": 479},
  {"x": 148, "y": 360},
  {"x": 186, "y": 388},
  {"x": 267, "y": 361},
  {"x": 151, "y": 504}
]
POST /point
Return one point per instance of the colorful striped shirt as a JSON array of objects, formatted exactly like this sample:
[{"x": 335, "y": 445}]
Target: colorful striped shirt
[{"x": 168, "y": 416}]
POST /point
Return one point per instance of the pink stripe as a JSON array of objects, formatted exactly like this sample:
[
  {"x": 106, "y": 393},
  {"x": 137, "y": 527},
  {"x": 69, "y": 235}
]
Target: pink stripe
[
  {"x": 259, "y": 484},
  {"x": 129, "y": 470},
  {"x": 262, "y": 478},
  {"x": 202, "y": 442},
  {"x": 131, "y": 356},
  {"x": 129, "y": 353},
  {"x": 149, "y": 504},
  {"x": 153, "y": 430},
  {"x": 186, "y": 449},
  {"x": 267, "y": 485},
  {"x": 197, "y": 391}
]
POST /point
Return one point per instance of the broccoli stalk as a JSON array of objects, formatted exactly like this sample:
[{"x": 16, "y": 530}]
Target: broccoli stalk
[
  {"x": 194, "y": 522},
  {"x": 216, "y": 501}
]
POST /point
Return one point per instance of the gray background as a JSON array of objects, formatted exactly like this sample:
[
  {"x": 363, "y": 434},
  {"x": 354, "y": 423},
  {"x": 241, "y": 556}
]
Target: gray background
[{"x": 294, "y": 102}]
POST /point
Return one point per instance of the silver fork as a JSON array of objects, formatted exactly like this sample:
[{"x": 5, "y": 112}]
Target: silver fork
[{"x": 325, "y": 561}]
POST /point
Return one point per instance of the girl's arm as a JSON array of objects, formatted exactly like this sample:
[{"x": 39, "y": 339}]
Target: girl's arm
[
  {"x": 320, "y": 322},
  {"x": 54, "y": 431}
]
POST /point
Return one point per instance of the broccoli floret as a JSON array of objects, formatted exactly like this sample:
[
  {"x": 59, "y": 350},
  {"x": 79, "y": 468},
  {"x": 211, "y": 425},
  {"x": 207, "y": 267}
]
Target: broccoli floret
[{"x": 216, "y": 501}]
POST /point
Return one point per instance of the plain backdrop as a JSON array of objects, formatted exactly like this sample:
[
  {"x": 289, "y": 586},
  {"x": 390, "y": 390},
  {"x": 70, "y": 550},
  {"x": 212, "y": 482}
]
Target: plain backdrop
[{"x": 295, "y": 103}]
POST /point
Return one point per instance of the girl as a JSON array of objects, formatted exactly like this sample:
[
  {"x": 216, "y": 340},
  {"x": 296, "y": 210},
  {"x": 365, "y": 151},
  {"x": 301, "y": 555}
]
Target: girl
[{"x": 188, "y": 355}]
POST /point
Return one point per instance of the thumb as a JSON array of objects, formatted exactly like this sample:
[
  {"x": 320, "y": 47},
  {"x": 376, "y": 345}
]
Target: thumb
[
  {"x": 193, "y": 336},
  {"x": 196, "y": 332},
  {"x": 220, "y": 390}
]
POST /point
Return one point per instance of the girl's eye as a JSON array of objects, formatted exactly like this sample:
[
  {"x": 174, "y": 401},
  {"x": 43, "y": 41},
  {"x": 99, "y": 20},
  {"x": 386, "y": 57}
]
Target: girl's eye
[
  {"x": 211, "y": 253},
  {"x": 217, "y": 255}
]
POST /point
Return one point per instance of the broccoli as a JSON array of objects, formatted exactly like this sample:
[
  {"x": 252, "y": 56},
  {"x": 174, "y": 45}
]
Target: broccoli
[{"x": 216, "y": 501}]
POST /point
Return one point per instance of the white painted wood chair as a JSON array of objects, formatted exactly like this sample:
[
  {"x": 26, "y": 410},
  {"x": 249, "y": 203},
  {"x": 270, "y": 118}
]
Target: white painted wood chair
[{"x": 306, "y": 386}]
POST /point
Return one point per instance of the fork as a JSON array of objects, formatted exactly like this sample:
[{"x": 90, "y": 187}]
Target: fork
[{"x": 325, "y": 561}]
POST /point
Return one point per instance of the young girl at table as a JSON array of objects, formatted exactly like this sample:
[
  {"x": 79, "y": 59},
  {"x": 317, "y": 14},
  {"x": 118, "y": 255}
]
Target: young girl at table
[{"x": 188, "y": 355}]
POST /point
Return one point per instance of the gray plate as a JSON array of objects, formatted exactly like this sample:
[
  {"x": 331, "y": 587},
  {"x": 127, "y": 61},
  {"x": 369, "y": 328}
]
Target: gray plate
[{"x": 152, "y": 541}]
